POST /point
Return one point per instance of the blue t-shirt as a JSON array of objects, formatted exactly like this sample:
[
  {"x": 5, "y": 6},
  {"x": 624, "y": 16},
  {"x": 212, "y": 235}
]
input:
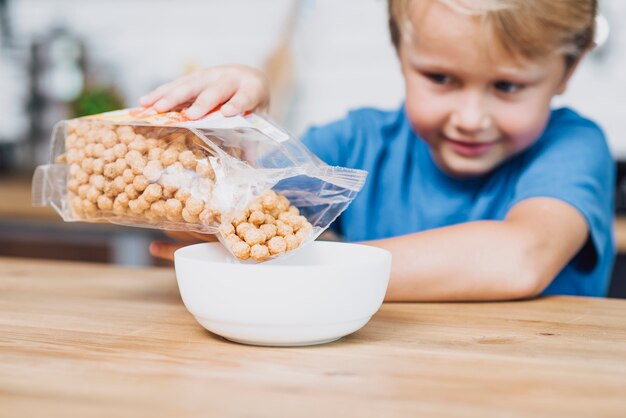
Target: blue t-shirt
[{"x": 406, "y": 192}]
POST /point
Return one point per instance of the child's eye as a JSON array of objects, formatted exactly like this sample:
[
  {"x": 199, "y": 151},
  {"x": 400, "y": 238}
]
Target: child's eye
[
  {"x": 438, "y": 78},
  {"x": 507, "y": 86}
]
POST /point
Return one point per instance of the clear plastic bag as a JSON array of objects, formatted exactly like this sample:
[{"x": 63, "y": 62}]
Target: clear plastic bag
[{"x": 226, "y": 176}]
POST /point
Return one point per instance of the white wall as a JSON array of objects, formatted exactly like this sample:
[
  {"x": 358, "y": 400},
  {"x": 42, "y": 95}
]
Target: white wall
[{"x": 341, "y": 50}]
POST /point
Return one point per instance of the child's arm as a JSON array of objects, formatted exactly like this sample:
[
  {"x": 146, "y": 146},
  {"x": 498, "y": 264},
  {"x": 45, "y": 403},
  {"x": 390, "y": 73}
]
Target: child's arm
[{"x": 487, "y": 260}]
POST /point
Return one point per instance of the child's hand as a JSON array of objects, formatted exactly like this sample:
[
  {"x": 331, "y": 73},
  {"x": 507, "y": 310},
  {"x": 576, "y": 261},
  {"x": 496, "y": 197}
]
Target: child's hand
[
  {"x": 165, "y": 250},
  {"x": 237, "y": 88}
]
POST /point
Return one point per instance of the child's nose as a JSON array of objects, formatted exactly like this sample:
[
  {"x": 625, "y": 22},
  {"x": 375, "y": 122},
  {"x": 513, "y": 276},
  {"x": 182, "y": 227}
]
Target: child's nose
[{"x": 471, "y": 117}]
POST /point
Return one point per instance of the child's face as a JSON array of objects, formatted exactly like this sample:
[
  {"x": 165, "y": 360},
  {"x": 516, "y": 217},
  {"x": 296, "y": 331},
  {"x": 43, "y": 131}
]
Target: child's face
[{"x": 471, "y": 102}]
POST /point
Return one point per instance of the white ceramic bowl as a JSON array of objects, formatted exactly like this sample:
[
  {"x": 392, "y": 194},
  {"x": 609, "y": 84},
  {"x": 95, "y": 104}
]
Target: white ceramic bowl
[{"x": 318, "y": 294}]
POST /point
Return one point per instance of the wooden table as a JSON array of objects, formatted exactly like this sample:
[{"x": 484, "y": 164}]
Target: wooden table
[{"x": 83, "y": 340}]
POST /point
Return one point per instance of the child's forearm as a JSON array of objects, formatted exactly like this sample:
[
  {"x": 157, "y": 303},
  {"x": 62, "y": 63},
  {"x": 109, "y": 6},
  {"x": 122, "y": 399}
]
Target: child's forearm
[{"x": 486, "y": 260}]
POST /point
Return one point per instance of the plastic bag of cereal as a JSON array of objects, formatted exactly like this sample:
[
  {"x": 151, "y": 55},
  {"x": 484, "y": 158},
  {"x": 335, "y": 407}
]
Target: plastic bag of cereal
[{"x": 243, "y": 178}]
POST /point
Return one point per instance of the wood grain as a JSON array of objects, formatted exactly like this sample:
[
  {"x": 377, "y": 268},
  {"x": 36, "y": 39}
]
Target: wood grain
[{"x": 83, "y": 340}]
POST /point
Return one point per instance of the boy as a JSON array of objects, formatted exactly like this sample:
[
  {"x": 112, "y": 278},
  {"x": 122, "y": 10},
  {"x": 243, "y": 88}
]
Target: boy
[{"x": 479, "y": 190}]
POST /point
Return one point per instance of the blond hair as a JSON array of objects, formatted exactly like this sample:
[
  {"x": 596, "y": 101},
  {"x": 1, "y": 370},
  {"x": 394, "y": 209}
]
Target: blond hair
[{"x": 525, "y": 28}]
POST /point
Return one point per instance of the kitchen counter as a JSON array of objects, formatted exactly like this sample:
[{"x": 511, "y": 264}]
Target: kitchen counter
[{"x": 81, "y": 340}]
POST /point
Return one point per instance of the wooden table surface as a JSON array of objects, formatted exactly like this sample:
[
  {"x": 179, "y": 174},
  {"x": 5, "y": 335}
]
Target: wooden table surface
[{"x": 83, "y": 340}]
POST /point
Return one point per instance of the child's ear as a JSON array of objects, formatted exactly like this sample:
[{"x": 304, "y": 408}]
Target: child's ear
[{"x": 569, "y": 71}]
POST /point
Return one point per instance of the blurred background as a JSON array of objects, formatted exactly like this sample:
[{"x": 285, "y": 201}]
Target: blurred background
[{"x": 64, "y": 58}]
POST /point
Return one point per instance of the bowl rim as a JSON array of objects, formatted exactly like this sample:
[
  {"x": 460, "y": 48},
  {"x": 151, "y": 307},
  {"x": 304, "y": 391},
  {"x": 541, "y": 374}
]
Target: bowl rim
[{"x": 181, "y": 253}]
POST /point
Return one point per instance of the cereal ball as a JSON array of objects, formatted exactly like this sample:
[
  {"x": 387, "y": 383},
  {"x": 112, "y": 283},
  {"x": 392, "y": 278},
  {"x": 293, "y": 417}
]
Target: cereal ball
[
  {"x": 81, "y": 176},
  {"x": 292, "y": 242},
  {"x": 277, "y": 245},
  {"x": 169, "y": 192},
  {"x": 227, "y": 229},
  {"x": 178, "y": 142},
  {"x": 72, "y": 185},
  {"x": 82, "y": 190},
  {"x": 138, "y": 205},
  {"x": 152, "y": 192},
  {"x": 254, "y": 236},
  {"x": 98, "y": 166},
  {"x": 108, "y": 138},
  {"x": 98, "y": 150},
  {"x": 210, "y": 217},
  {"x": 88, "y": 207},
  {"x": 155, "y": 153},
  {"x": 104, "y": 202},
  {"x": 287, "y": 218},
  {"x": 153, "y": 170},
  {"x": 283, "y": 229},
  {"x": 131, "y": 191},
  {"x": 120, "y": 165},
  {"x": 138, "y": 144},
  {"x": 241, "y": 250},
  {"x": 116, "y": 186},
  {"x": 188, "y": 217},
  {"x": 187, "y": 159},
  {"x": 259, "y": 252},
  {"x": 125, "y": 134},
  {"x": 204, "y": 169},
  {"x": 269, "y": 230},
  {"x": 158, "y": 208},
  {"x": 243, "y": 227},
  {"x": 255, "y": 206},
  {"x": 92, "y": 194},
  {"x": 232, "y": 239},
  {"x": 152, "y": 143},
  {"x": 97, "y": 180},
  {"x": 257, "y": 218},
  {"x": 294, "y": 210},
  {"x": 269, "y": 219},
  {"x": 269, "y": 200},
  {"x": 282, "y": 203},
  {"x": 194, "y": 205},
  {"x": 169, "y": 156},
  {"x": 150, "y": 215},
  {"x": 182, "y": 195},
  {"x": 70, "y": 140},
  {"x": 128, "y": 175},
  {"x": 120, "y": 150},
  {"x": 240, "y": 218},
  {"x": 120, "y": 203},
  {"x": 108, "y": 156},
  {"x": 87, "y": 165},
  {"x": 110, "y": 171},
  {"x": 141, "y": 182},
  {"x": 135, "y": 161},
  {"x": 80, "y": 143},
  {"x": 302, "y": 234},
  {"x": 82, "y": 128},
  {"x": 173, "y": 210},
  {"x": 89, "y": 150},
  {"x": 74, "y": 168},
  {"x": 73, "y": 155}
]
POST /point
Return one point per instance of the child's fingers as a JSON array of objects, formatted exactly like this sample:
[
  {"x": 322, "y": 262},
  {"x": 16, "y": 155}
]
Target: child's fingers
[
  {"x": 183, "y": 237},
  {"x": 212, "y": 96},
  {"x": 239, "y": 103},
  {"x": 164, "y": 250},
  {"x": 182, "y": 93}
]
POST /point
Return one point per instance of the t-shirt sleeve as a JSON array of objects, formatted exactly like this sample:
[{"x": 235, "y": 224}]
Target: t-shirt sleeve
[
  {"x": 329, "y": 142},
  {"x": 572, "y": 163}
]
